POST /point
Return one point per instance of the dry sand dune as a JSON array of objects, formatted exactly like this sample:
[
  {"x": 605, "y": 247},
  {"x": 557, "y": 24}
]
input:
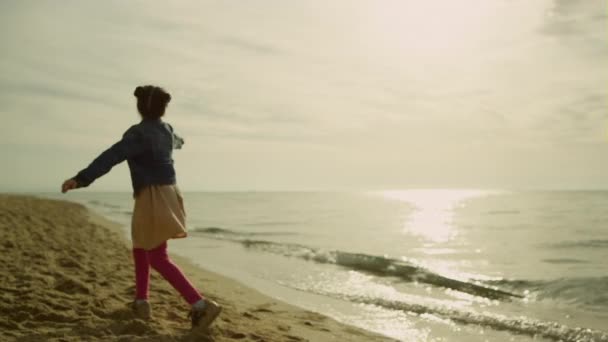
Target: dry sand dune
[{"x": 66, "y": 274}]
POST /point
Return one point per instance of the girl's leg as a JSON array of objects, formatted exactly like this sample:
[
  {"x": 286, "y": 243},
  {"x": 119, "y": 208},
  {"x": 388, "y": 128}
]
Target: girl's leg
[
  {"x": 142, "y": 273},
  {"x": 159, "y": 260}
]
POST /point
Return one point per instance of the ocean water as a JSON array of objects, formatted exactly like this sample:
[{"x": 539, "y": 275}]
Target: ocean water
[{"x": 416, "y": 265}]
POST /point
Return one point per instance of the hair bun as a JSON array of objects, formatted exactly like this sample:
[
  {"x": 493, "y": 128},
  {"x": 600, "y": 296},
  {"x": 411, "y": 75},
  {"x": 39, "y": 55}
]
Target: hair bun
[
  {"x": 139, "y": 92},
  {"x": 167, "y": 97}
]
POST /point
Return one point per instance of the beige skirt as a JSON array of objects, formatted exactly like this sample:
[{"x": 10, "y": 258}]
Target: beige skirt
[{"x": 158, "y": 216}]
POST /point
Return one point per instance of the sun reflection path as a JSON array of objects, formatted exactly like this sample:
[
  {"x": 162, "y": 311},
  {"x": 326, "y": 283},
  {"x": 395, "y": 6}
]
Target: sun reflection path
[{"x": 433, "y": 211}]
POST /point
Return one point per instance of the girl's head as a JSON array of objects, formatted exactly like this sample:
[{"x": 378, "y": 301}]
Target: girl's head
[{"x": 151, "y": 101}]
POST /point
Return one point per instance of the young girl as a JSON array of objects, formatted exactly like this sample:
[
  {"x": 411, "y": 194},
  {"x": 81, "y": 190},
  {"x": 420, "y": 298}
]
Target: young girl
[{"x": 159, "y": 210}]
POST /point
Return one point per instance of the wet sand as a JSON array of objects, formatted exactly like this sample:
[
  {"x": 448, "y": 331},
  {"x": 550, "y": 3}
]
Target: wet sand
[{"x": 66, "y": 274}]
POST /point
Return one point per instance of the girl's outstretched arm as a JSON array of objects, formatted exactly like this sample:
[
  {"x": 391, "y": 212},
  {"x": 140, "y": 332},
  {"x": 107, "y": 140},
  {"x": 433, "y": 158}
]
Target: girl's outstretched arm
[
  {"x": 130, "y": 145},
  {"x": 178, "y": 141},
  {"x": 69, "y": 185}
]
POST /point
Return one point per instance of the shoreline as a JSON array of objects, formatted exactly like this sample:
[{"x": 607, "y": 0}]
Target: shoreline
[{"x": 67, "y": 274}]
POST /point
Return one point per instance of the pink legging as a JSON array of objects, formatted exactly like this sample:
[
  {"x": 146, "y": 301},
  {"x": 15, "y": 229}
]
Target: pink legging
[{"x": 159, "y": 260}]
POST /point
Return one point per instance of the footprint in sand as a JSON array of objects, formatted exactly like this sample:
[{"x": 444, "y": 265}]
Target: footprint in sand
[
  {"x": 310, "y": 324},
  {"x": 67, "y": 262},
  {"x": 255, "y": 337},
  {"x": 283, "y": 327},
  {"x": 71, "y": 285},
  {"x": 250, "y": 316},
  {"x": 235, "y": 335},
  {"x": 311, "y": 317},
  {"x": 265, "y": 308}
]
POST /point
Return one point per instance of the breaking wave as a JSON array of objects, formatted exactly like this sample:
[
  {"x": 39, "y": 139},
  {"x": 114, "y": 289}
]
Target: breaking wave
[
  {"x": 590, "y": 292},
  {"x": 377, "y": 265},
  {"x": 517, "y": 325},
  {"x": 225, "y": 233}
]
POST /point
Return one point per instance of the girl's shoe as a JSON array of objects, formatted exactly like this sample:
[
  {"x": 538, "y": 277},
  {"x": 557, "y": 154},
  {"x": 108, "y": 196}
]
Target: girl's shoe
[
  {"x": 203, "y": 318},
  {"x": 142, "y": 309}
]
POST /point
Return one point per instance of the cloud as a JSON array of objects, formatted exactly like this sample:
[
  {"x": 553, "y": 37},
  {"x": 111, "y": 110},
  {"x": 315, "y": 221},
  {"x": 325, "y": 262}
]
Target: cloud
[
  {"x": 304, "y": 78},
  {"x": 579, "y": 23},
  {"x": 53, "y": 90}
]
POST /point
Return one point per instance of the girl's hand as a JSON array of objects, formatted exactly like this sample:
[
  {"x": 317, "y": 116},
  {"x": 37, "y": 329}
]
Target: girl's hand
[{"x": 69, "y": 184}]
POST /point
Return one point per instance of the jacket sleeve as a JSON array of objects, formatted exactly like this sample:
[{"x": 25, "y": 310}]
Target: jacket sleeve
[
  {"x": 178, "y": 141},
  {"x": 130, "y": 145}
]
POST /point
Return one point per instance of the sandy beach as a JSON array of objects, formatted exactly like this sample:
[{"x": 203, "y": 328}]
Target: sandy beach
[{"x": 66, "y": 274}]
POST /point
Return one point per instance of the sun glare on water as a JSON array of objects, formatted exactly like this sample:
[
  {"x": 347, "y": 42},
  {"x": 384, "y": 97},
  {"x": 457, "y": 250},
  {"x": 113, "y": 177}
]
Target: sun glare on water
[{"x": 433, "y": 213}]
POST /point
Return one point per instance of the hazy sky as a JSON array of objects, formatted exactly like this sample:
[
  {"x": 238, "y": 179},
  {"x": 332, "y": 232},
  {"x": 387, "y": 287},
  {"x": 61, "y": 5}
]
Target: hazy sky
[{"x": 275, "y": 94}]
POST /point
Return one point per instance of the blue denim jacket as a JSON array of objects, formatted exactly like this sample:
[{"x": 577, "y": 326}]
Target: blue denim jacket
[{"x": 147, "y": 147}]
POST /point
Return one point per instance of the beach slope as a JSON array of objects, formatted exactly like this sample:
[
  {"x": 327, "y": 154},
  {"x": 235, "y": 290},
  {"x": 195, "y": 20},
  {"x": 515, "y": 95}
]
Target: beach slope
[{"x": 66, "y": 274}]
